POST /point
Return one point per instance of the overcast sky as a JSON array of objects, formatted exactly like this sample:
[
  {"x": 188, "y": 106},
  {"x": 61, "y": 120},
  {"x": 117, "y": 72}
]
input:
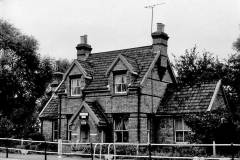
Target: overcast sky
[{"x": 110, "y": 24}]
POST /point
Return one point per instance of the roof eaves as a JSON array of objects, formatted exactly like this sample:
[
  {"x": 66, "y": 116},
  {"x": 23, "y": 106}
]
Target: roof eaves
[
  {"x": 150, "y": 68},
  {"x": 217, "y": 88},
  {"x": 126, "y": 63},
  {"x": 89, "y": 111}
]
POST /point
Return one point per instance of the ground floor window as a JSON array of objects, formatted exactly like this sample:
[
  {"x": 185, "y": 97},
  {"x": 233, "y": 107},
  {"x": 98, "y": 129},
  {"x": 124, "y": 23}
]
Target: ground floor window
[
  {"x": 182, "y": 131},
  {"x": 55, "y": 129},
  {"x": 121, "y": 133}
]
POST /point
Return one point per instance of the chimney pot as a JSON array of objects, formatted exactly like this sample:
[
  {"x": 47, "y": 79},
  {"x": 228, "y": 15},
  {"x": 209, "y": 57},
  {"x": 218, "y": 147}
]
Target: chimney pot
[
  {"x": 160, "y": 27},
  {"x": 83, "y": 39}
]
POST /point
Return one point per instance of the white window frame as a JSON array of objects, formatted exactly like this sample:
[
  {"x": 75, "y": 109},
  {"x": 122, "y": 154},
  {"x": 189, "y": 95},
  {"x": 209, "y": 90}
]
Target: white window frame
[
  {"x": 74, "y": 85},
  {"x": 122, "y": 85},
  {"x": 122, "y": 122},
  {"x": 184, "y": 129}
]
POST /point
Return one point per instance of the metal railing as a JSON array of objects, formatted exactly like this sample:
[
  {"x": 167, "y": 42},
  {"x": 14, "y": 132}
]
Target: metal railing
[{"x": 16, "y": 147}]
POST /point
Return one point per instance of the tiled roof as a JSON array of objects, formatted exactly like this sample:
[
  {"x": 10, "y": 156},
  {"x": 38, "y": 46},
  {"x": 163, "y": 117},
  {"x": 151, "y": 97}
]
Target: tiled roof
[
  {"x": 140, "y": 58},
  {"x": 187, "y": 99},
  {"x": 98, "y": 111},
  {"x": 87, "y": 67},
  {"x": 51, "y": 110},
  {"x": 96, "y": 66},
  {"x": 94, "y": 110}
]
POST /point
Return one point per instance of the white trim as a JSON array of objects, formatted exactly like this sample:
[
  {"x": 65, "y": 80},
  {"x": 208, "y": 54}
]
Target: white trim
[
  {"x": 214, "y": 95},
  {"x": 151, "y": 67},
  {"x": 75, "y": 62},
  {"x": 51, "y": 98},
  {"x": 125, "y": 62}
]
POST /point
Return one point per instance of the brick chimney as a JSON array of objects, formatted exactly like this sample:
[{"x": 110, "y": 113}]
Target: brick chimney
[
  {"x": 160, "y": 39},
  {"x": 83, "y": 49}
]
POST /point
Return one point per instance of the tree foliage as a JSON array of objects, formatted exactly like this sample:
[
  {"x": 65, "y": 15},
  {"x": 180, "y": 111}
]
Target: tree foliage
[
  {"x": 23, "y": 78},
  {"x": 193, "y": 67},
  {"x": 212, "y": 126}
]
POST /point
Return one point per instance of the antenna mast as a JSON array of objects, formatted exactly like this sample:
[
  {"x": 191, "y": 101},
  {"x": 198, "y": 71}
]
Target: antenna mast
[{"x": 152, "y": 7}]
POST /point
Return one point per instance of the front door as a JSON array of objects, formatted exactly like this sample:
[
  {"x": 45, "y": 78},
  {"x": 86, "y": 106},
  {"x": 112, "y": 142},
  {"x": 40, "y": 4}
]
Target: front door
[{"x": 84, "y": 133}]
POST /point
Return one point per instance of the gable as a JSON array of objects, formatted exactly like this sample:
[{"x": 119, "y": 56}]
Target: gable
[
  {"x": 94, "y": 112},
  {"x": 75, "y": 71},
  {"x": 119, "y": 66}
]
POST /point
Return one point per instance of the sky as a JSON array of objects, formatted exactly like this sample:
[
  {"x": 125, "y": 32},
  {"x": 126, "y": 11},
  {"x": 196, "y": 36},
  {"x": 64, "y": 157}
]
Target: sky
[{"x": 212, "y": 25}]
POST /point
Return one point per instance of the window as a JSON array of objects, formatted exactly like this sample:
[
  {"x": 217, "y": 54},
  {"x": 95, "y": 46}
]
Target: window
[
  {"x": 55, "y": 129},
  {"x": 181, "y": 131},
  {"x": 121, "y": 129},
  {"x": 120, "y": 82},
  {"x": 76, "y": 87}
]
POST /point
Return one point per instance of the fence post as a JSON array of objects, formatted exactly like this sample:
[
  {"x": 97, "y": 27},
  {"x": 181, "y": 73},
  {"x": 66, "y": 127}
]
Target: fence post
[
  {"x": 91, "y": 150},
  {"x": 214, "y": 149},
  {"x": 45, "y": 150},
  {"x": 232, "y": 148},
  {"x": 7, "y": 148},
  {"x": 149, "y": 151},
  {"x": 60, "y": 148}
]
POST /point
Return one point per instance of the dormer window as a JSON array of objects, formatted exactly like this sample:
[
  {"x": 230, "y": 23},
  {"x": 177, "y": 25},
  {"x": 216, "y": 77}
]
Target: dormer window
[
  {"x": 76, "y": 87},
  {"x": 120, "y": 83}
]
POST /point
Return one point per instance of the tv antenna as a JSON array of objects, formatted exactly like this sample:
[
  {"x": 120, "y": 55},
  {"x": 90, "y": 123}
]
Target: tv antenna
[{"x": 152, "y": 7}]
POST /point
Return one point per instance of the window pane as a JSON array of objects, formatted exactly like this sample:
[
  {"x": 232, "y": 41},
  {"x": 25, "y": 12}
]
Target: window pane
[
  {"x": 125, "y": 136},
  {"x": 76, "y": 86},
  {"x": 117, "y": 79},
  {"x": 186, "y": 128},
  {"x": 118, "y": 136},
  {"x": 124, "y": 87},
  {"x": 179, "y": 136},
  {"x": 178, "y": 124},
  {"x": 186, "y": 136}
]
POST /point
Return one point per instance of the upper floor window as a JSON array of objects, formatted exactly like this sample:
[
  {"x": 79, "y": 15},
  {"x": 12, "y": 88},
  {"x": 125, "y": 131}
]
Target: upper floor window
[
  {"x": 120, "y": 83},
  {"x": 181, "y": 131},
  {"x": 76, "y": 87}
]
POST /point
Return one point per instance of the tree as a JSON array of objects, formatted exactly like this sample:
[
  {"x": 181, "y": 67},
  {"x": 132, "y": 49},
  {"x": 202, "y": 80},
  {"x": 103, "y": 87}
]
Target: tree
[
  {"x": 193, "y": 67},
  {"x": 23, "y": 78},
  {"x": 62, "y": 65}
]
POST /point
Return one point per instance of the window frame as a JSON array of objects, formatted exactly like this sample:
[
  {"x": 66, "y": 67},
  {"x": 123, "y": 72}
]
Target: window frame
[
  {"x": 72, "y": 79},
  {"x": 55, "y": 129},
  {"x": 121, "y": 74},
  {"x": 123, "y": 120},
  {"x": 185, "y": 129}
]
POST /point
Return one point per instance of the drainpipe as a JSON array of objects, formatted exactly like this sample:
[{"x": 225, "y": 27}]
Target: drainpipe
[{"x": 138, "y": 116}]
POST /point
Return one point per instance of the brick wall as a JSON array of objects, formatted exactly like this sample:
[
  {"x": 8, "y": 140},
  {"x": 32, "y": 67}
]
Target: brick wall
[{"x": 164, "y": 130}]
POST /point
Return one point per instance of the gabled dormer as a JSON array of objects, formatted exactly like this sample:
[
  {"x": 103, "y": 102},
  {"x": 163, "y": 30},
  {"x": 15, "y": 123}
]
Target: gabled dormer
[{"x": 121, "y": 73}]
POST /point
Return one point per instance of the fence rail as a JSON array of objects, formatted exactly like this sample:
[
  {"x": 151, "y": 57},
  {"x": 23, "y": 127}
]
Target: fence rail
[{"x": 17, "y": 147}]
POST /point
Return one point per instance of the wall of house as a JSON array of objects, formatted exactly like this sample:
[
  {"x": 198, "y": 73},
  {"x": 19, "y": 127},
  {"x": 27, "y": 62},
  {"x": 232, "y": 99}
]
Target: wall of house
[
  {"x": 164, "y": 132},
  {"x": 47, "y": 130}
]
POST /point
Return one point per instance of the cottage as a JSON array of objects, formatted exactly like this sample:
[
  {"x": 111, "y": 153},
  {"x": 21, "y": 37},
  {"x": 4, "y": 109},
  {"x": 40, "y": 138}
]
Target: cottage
[{"x": 127, "y": 95}]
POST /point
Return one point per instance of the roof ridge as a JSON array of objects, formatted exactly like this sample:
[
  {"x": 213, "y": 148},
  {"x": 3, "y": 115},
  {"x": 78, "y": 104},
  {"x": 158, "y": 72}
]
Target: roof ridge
[{"x": 122, "y": 50}]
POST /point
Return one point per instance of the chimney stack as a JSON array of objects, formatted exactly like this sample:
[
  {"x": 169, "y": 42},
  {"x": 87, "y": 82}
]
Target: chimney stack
[
  {"x": 83, "y": 49},
  {"x": 160, "y": 40}
]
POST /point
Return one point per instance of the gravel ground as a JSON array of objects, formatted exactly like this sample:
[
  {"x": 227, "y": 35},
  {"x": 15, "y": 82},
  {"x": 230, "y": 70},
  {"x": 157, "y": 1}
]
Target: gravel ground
[{"x": 39, "y": 157}]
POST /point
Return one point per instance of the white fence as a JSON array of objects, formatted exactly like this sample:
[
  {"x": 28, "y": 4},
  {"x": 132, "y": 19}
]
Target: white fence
[{"x": 115, "y": 151}]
